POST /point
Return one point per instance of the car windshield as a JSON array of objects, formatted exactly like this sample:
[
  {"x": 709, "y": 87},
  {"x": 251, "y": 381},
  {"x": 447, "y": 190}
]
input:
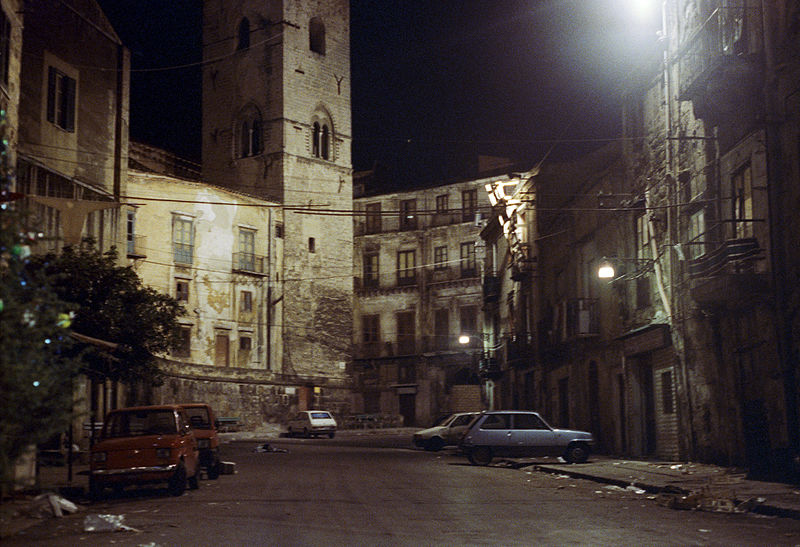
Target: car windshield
[
  {"x": 443, "y": 420},
  {"x": 198, "y": 417},
  {"x": 139, "y": 423},
  {"x": 320, "y": 415}
]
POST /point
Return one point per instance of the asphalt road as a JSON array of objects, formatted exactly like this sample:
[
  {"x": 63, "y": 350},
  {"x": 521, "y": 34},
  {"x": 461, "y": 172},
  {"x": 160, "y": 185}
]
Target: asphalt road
[{"x": 369, "y": 490}]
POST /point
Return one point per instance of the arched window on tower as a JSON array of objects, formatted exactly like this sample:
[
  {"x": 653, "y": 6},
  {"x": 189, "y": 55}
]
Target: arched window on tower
[
  {"x": 244, "y": 34},
  {"x": 315, "y": 138},
  {"x": 324, "y": 143},
  {"x": 249, "y": 134},
  {"x": 316, "y": 35}
]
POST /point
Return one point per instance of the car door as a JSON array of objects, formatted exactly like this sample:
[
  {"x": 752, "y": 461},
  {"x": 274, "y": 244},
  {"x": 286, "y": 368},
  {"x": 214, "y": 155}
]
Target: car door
[
  {"x": 495, "y": 431},
  {"x": 531, "y": 436},
  {"x": 455, "y": 429}
]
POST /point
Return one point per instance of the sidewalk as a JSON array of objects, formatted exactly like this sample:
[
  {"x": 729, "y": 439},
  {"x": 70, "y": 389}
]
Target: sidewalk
[{"x": 687, "y": 485}]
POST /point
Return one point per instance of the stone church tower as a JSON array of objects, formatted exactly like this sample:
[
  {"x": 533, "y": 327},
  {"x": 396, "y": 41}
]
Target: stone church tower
[{"x": 277, "y": 124}]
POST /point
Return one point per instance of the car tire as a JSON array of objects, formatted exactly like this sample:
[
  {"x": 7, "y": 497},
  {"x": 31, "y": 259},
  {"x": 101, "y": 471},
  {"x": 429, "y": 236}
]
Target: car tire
[
  {"x": 177, "y": 483},
  {"x": 289, "y": 433},
  {"x": 331, "y": 435},
  {"x": 481, "y": 455},
  {"x": 194, "y": 480},
  {"x": 213, "y": 471},
  {"x": 306, "y": 433},
  {"x": 577, "y": 453},
  {"x": 434, "y": 444}
]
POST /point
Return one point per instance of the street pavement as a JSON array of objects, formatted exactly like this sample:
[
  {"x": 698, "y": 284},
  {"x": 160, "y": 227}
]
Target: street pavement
[{"x": 679, "y": 485}]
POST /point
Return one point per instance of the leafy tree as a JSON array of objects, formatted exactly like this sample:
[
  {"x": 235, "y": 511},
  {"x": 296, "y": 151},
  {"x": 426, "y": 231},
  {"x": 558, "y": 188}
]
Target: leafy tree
[
  {"x": 38, "y": 359},
  {"x": 113, "y": 305}
]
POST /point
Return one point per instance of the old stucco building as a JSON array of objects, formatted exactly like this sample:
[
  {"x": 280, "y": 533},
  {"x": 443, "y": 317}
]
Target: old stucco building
[
  {"x": 418, "y": 292},
  {"x": 276, "y": 126}
]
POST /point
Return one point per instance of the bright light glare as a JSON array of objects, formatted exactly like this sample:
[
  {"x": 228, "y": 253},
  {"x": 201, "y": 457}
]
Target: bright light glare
[
  {"x": 605, "y": 271},
  {"x": 643, "y": 10},
  {"x": 463, "y": 339}
]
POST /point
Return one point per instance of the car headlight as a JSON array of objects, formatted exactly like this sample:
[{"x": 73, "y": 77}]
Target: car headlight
[
  {"x": 98, "y": 457},
  {"x": 162, "y": 452},
  {"x": 203, "y": 443}
]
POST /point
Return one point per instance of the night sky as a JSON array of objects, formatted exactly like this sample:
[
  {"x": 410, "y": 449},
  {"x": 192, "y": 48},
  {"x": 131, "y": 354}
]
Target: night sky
[{"x": 435, "y": 83}]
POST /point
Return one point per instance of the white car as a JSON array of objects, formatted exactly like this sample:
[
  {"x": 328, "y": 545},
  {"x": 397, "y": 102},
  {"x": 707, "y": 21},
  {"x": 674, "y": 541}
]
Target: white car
[
  {"x": 311, "y": 423},
  {"x": 447, "y": 432}
]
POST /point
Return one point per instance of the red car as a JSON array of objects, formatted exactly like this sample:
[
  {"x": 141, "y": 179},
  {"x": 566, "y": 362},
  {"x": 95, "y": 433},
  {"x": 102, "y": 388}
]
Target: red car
[
  {"x": 143, "y": 445},
  {"x": 201, "y": 418}
]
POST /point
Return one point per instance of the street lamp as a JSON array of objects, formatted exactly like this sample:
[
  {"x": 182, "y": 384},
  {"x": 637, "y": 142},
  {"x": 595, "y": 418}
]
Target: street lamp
[
  {"x": 463, "y": 339},
  {"x": 607, "y": 268}
]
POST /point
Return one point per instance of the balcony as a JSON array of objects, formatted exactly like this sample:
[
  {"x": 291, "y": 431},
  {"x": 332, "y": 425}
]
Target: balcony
[
  {"x": 489, "y": 368},
  {"x": 523, "y": 263},
  {"x": 520, "y": 350},
  {"x": 136, "y": 246},
  {"x": 718, "y": 64},
  {"x": 249, "y": 263},
  {"x": 728, "y": 274}
]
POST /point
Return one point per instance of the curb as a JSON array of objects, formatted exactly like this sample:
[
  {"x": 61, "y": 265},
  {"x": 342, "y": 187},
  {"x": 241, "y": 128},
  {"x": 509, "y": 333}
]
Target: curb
[{"x": 761, "y": 509}]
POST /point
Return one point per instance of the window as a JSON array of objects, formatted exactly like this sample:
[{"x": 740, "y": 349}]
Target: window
[
  {"x": 182, "y": 240},
  {"x": 440, "y": 258},
  {"x": 131, "y": 232},
  {"x": 406, "y": 267},
  {"x": 247, "y": 301},
  {"x": 528, "y": 421},
  {"x": 243, "y": 34},
  {"x": 312, "y": 245},
  {"x": 316, "y": 35},
  {"x": 321, "y": 138},
  {"x": 247, "y": 244},
  {"x": 61, "y": 100},
  {"x": 667, "y": 400},
  {"x": 373, "y": 225},
  {"x": 5, "y": 47},
  {"x": 221, "y": 349},
  {"x": 497, "y": 421},
  {"x": 408, "y": 214},
  {"x": 370, "y": 325},
  {"x": 245, "y": 343},
  {"x": 183, "y": 346},
  {"x": 468, "y": 267},
  {"x": 442, "y": 204},
  {"x": 279, "y": 230},
  {"x": 182, "y": 291},
  {"x": 468, "y": 316},
  {"x": 441, "y": 329},
  {"x": 406, "y": 340},
  {"x": 371, "y": 278},
  {"x": 642, "y": 252},
  {"x": 697, "y": 228},
  {"x": 469, "y": 205},
  {"x": 250, "y": 140},
  {"x": 742, "y": 202}
]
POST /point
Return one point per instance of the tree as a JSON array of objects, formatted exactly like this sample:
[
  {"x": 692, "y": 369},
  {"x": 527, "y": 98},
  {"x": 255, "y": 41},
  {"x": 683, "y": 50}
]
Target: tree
[
  {"x": 110, "y": 303},
  {"x": 38, "y": 359}
]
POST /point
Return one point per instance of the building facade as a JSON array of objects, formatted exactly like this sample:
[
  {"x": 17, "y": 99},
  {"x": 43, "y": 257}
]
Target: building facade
[
  {"x": 277, "y": 125},
  {"x": 418, "y": 307}
]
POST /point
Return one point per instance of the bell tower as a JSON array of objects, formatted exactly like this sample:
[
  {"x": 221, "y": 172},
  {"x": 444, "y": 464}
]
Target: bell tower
[{"x": 277, "y": 125}]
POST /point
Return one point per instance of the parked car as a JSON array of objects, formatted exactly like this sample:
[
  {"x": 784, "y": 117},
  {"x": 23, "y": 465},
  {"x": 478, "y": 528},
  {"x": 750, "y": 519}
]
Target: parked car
[
  {"x": 311, "y": 423},
  {"x": 520, "y": 433},
  {"x": 203, "y": 422},
  {"x": 447, "y": 432},
  {"x": 142, "y": 445}
]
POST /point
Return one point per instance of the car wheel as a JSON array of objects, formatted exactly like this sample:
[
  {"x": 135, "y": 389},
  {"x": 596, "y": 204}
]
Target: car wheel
[
  {"x": 306, "y": 433},
  {"x": 194, "y": 480},
  {"x": 577, "y": 453},
  {"x": 481, "y": 455},
  {"x": 214, "y": 470},
  {"x": 95, "y": 489},
  {"x": 177, "y": 483},
  {"x": 331, "y": 435},
  {"x": 434, "y": 444},
  {"x": 289, "y": 432}
]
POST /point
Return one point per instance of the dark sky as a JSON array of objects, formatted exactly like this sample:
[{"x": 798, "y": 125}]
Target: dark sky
[{"x": 435, "y": 82}]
